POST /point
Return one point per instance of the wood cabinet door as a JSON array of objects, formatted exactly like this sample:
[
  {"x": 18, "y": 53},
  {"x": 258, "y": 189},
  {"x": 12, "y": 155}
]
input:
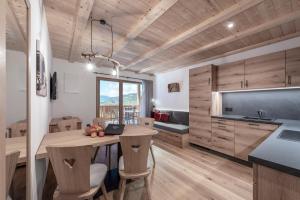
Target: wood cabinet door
[
  {"x": 248, "y": 135},
  {"x": 200, "y": 123},
  {"x": 231, "y": 76},
  {"x": 223, "y": 136},
  {"x": 293, "y": 67},
  {"x": 267, "y": 71},
  {"x": 271, "y": 184},
  {"x": 201, "y": 86}
]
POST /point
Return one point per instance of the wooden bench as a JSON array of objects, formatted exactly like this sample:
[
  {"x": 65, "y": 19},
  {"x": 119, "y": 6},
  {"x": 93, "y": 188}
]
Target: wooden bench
[{"x": 177, "y": 139}]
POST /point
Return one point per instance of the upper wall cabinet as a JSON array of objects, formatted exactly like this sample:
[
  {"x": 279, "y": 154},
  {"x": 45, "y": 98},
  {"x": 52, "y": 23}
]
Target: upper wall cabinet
[
  {"x": 202, "y": 83},
  {"x": 231, "y": 76},
  {"x": 293, "y": 67},
  {"x": 266, "y": 71}
]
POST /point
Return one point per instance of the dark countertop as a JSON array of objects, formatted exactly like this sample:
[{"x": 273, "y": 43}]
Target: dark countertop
[
  {"x": 241, "y": 118},
  {"x": 274, "y": 152},
  {"x": 277, "y": 153}
]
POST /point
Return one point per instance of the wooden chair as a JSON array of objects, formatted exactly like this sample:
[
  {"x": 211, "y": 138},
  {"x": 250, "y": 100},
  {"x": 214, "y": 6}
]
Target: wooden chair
[
  {"x": 18, "y": 129},
  {"x": 77, "y": 178},
  {"x": 148, "y": 122},
  {"x": 67, "y": 125},
  {"x": 134, "y": 164},
  {"x": 11, "y": 163}
]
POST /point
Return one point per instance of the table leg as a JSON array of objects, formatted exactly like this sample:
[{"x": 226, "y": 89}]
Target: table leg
[
  {"x": 95, "y": 155},
  {"x": 109, "y": 157}
]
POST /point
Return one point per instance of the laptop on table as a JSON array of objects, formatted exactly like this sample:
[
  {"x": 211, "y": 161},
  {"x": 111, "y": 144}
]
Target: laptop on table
[{"x": 114, "y": 129}]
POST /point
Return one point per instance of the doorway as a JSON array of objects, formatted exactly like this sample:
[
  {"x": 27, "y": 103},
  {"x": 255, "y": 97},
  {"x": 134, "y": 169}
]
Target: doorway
[{"x": 118, "y": 101}]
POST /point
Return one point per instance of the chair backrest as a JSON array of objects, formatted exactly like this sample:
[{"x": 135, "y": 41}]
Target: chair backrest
[
  {"x": 99, "y": 121},
  {"x": 67, "y": 125},
  {"x": 71, "y": 166},
  {"x": 135, "y": 152},
  {"x": 11, "y": 163},
  {"x": 18, "y": 129},
  {"x": 146, "y": 121}
]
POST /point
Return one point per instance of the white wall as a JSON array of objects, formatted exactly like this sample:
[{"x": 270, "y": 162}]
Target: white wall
[
  {"x": 179, "y": 101},
  {"x": 16, "y": 86},
  {"x": 40, "y": 111},
  {"x": 82, "y": 103},
  {"x": 175, "y": 100}
]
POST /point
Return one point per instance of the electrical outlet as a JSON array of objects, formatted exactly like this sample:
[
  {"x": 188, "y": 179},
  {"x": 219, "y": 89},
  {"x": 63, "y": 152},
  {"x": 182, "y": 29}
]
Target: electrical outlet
[{"x": 228, "y": 109}]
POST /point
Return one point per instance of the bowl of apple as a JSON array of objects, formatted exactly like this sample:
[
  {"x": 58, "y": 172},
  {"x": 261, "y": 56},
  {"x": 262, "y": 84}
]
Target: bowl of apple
[{"x": 94, "y": 130}]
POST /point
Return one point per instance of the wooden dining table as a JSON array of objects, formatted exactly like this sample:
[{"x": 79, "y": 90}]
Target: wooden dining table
[
  {"x": 78, "y": 138},
  {"x": 70, "y": 138}
]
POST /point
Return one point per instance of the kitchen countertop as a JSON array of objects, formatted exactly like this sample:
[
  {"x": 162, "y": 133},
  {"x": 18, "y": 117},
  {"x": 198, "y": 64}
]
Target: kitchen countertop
[
  {"x": 274, "y": 152},
  {"x": 241, "y": 118}
]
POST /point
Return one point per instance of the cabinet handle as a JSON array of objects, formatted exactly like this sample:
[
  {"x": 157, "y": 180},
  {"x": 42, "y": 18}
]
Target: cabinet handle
[
  {"x": 241, "y": 84},
  {"x": 208, "y": 81},
  {"x": 221, "y": 126},
  {"x": 246, "y": 83},
  {"x": 253, "y": 124},
  {"x": 289, "y": 79},
  {"x": 223, "y": 138}
]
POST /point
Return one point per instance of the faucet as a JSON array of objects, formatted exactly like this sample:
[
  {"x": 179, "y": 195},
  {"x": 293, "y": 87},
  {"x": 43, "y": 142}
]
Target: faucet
[{"x": 261, "y": 113}]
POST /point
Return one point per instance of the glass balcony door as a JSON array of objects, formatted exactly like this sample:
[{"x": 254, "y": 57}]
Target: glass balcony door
[
  {"x": 118, "y": 101},
  {"x": 131, "y": 102},
  {"x": 109, "y": 101}
]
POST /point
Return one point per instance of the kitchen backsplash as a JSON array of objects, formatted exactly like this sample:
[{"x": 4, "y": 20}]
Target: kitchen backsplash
[{"x": 283, "y": 104}]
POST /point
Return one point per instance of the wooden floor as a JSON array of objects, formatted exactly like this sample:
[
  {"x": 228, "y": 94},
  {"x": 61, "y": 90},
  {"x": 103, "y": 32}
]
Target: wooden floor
[{"x": 191, "y": 173}]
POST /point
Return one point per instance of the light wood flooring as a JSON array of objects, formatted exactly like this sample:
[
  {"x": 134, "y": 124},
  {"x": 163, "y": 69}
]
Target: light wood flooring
[{"x": 194, "y": 174}]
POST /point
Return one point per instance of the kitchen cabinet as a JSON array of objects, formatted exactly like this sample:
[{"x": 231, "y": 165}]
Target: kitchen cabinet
[
  {"x": 293, "y": 67},
  {"x": 248, "y": 135},
  {"x": 267, "y": 71},
  {"x": 223, "y": 136},
  {"x": 231, "y": 76},
  {"x": 272, "y": 184},
  {"x": 202, "y": 83}
]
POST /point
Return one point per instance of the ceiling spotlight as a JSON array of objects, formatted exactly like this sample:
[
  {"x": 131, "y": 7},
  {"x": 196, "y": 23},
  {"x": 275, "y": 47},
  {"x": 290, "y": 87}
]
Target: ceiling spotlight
[
  {"x": 89, "y": 66},
  {"x": 230, "y": 25}
]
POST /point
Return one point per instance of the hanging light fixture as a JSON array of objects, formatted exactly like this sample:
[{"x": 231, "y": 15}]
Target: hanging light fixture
[
  {"x": 115, "y": 71},
  {"x": 90, "y": 66},
  {"x": 92, "y": 55}
]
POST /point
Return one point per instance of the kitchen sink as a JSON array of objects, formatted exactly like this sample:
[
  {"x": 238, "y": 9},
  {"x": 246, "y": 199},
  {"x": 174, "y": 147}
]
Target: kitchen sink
[
  {"x": 290, "y": 135},
  {"x": 257, "y": 118}
]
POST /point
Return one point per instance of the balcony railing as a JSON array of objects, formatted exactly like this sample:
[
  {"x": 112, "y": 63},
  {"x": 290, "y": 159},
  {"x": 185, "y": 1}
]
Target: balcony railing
[{"x": 111, "y": 113}]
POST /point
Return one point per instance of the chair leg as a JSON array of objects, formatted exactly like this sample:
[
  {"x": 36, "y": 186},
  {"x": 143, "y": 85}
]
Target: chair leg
[
  {"x": 103, "y": 188},
  {"x": 122, "y": 189},
  {"x": 153, "y": 158},
  {"x": 147, "y": 185}
]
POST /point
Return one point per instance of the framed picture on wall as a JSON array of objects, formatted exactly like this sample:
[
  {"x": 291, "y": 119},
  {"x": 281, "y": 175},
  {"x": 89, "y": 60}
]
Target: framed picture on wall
[
  {"x": 173, "y": 87},
  {"x": 41, "y": 76}
]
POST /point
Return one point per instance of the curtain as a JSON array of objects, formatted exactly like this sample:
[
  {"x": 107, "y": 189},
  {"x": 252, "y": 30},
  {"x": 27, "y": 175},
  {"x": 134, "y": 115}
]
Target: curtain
[{"x": 147, "y": 96}]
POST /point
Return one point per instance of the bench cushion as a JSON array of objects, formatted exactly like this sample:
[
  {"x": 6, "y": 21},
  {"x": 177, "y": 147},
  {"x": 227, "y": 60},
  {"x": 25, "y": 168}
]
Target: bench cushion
[{"x": 176, "y": 128}]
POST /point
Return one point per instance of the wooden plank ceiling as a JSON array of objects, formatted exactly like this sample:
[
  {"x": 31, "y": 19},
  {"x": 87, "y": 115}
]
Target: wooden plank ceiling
[
  {"x": 16, "y": 25},
  {"x": 158, "y": 35}
]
